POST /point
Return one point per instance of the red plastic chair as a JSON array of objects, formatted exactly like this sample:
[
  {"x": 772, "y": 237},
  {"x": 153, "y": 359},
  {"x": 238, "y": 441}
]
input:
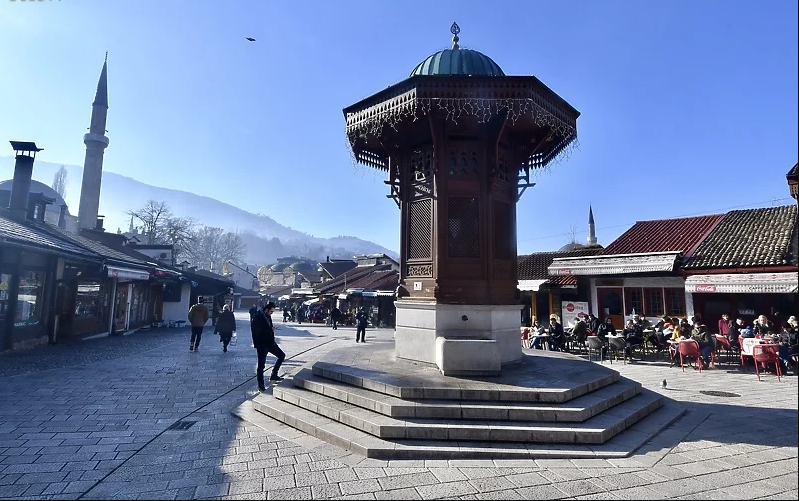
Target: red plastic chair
[
  {"x": 767, "y": 354},
  {"x": 689, "y": 349}
]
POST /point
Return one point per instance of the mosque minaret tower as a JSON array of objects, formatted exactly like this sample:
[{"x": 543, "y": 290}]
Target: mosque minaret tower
[{"x": 96, "y": 143}]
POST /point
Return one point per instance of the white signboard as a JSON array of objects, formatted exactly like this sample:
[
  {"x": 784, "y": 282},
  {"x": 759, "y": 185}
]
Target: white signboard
[
  {"x": 572, "y": 309},
  {"x": 417, "y": 286}
]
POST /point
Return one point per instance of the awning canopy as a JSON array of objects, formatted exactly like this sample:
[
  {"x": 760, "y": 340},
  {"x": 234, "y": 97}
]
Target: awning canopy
[
  {"x": 742, "y": 283},
  {"x": 615, "y": 264},
  {"x": 127, "y": 273},
  {"x": 284, "y": 297},
  {"x": 531, "y": 285},
  {"x": 311, "y": 301},
  {"x": 385, "y": 293}
]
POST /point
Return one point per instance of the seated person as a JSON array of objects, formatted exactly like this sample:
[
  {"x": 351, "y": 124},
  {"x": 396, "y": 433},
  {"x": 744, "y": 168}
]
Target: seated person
[
  {"x": 788, "y": 344},
  {"x": 536, "y": 330},
  {"x": 557, "y": 339},
  {"x": 633, "y": 336},
  {"x": 580, "y": 330},
  {"x": 706, "y": 345}
]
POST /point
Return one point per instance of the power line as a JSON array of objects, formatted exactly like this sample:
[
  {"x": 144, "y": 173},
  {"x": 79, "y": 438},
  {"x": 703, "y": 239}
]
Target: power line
[{"x": 725, "y": 209}]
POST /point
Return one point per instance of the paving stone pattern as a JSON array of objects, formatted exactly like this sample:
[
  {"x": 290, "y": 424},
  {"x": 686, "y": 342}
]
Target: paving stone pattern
[{"x": 89, "y": 421}]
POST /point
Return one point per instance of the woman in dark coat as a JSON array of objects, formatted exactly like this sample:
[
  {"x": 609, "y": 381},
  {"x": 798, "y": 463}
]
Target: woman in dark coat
[{"x": 226, "y": 326}]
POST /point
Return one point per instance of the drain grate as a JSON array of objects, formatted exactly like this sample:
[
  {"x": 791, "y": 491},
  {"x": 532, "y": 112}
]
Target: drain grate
[
  {"x": 714, "y": 393},
  {"x": 182, "y": 425}
]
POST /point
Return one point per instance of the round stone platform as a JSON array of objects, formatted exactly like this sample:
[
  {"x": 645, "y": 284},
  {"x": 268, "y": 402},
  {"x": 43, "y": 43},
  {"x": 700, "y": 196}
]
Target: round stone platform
[{"x": 549, "y": 405}]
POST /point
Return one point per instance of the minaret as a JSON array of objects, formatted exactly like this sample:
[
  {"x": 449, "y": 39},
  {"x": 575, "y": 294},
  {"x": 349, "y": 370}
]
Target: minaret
[
  {"x": 591, "y": 227},
  {"x": 96, "y": 143}
]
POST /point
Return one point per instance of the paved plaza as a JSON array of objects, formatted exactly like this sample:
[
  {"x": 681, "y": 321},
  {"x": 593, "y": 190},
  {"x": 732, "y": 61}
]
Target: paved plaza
[{"x": 92, "y": 421}]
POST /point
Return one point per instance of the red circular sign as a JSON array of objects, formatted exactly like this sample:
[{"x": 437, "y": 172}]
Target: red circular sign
[{"x": 570, "y": 307}]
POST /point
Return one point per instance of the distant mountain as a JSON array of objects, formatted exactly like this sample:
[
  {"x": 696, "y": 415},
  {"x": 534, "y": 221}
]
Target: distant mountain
[{"x": 266, "y": 239}]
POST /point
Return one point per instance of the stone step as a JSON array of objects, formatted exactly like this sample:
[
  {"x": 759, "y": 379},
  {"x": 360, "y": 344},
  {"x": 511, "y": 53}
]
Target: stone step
[
  {"x": 596, "y": 430},
  {"x": 530, "y": 384},
  {"x": 333, "y": 432},
  {"x": 576, "y": 410}
]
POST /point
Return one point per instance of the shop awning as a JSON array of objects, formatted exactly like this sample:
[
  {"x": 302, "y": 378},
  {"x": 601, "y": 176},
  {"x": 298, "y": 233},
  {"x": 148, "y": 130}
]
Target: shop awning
[
  {"x": 284, "y": 297},
  {"x": 311, "y": 301},
  {"x": 385, "y": 293},
  {"x": 127, "y": 273},
  {"x": 742, "y": 283},
  {"x": 615, "y": 264},
  {"x": 531, "y": 285}
]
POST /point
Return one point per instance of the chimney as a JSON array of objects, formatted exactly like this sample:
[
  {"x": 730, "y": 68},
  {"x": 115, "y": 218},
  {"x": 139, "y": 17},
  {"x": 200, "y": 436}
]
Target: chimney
[
  {"x": 24, "y": 153},
  {"x": 62, "y": 217},
  {"x": 99, "y": 225},
  {"x": 328, "y": 259}
]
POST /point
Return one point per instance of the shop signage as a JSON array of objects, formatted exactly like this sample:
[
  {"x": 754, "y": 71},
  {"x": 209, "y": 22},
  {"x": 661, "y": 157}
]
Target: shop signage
[
  {"x": 705, "y": 288},
  {"x": 572, "y": 309}
]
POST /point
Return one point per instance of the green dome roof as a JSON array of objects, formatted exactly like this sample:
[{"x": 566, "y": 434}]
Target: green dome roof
[{"x": 458, "y": 62}]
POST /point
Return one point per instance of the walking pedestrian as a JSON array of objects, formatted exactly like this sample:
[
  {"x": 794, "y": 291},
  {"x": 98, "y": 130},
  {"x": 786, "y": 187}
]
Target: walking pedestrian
[
  {"x": 198, "y": 315},
  {"x": 263, "y": 339},
  {"x": 335, "y": 315},
  {"x": 362, "y": 320},
  {"x": 225, "y": 326}
]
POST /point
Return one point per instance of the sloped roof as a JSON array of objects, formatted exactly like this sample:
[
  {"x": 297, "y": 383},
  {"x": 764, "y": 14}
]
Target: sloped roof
[
  {"x": 34, "y": 235},
  {"x": 534, "y": 266},
  {"x": 746, "y": 238},
  {"x": 211, "y": 275},
  {"x": 333, "y": 286},
  {"x": 244, "y": 292},
  {"x": 664, "y": 235},
  {"x": 337, "y": 268},
  {"x": 376, "y": 280},
  {"x": 794, "y": 172},
  {"x": 103, "y": 250}
]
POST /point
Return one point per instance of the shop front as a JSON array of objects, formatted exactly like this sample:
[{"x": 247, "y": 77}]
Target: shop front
[
  {"x": 745, "y": 296},
  {"x": 131, "y": 299}
]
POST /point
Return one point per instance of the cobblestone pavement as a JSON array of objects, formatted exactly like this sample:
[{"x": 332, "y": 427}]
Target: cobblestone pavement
[{"x": 90, "y": 421}]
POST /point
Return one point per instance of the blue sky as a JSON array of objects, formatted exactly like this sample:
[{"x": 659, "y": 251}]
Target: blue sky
[{"x": 687, "y": 107}]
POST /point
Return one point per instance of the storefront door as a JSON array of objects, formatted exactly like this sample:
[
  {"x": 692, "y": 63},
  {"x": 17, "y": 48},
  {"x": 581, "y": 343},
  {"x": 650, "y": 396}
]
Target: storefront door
[
  {"x": 611, "y": 305},
  {"x": 121, "y": 307}
]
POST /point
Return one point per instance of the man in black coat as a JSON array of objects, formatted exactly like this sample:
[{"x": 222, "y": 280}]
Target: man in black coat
[
  {"x": 263, "y": 338},
  {"x": 335, "y": 315}
]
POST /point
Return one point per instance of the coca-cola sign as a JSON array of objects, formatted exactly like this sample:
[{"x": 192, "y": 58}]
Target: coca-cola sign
[{"x": 705, "y": 288}]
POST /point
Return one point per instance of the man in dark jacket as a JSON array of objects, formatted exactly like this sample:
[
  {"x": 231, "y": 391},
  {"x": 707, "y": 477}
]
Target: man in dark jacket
[
  {"x": 362, "y": 320},
  {"x": 263, "y": 339},
  {"x": 335, "y": 315},
  {"x": 702, "y": 336},
  {"x": 556, "y": 337}
]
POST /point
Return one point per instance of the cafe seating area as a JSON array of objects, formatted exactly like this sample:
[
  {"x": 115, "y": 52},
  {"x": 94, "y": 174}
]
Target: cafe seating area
[{"x": 766, "y": 352}]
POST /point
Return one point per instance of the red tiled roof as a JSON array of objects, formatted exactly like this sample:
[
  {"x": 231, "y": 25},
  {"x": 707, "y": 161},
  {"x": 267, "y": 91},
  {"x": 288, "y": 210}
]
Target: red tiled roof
[
  {"x": 337, "y": 284},
  {"x": 664, "y": 235},
  {"x": 534, "y": 266}
]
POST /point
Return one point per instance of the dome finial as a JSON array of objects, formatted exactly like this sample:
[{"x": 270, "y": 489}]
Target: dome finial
[{"x": 455, "y": 29}]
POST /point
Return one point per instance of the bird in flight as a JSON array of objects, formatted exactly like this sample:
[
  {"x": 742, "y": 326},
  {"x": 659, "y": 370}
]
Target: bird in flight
[{"x": 250, "y": 39}]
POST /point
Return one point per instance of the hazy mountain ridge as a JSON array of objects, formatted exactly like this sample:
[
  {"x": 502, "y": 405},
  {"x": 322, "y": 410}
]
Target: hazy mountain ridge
[{"x": 121, "y": 193}]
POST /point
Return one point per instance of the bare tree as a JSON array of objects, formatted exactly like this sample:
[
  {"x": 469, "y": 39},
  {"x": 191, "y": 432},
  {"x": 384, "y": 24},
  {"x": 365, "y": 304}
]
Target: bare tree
[
  {"x": 153, "y": 216},
  {"x": 178, "y": 231},
  {"x": 211, "y": 247},
  {"x": 60, "y": 182}
]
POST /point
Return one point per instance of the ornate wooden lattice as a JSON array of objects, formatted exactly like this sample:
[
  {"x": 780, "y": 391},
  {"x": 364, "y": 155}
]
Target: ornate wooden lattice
[
  {"x": 422, "y": 165},
  {"x": 420, "y": 215},
  {"x": 463, "y": 227},
  {"x": 463, "y": 164},
  {"x": 502, "y": 168},
  {"x": 419, "y": 270}
]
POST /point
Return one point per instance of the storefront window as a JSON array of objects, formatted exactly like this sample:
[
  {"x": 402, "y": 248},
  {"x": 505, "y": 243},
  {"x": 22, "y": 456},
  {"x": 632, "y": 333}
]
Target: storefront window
[
  {"x": 5, "y": 286},
  {"x": 29, "y": 299},
  {"x": 88, "y": 301},
  {"x": 634, "y": 302},
  {"x": 675, "y": 302},
  {"x": 654, "y": 302}
]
